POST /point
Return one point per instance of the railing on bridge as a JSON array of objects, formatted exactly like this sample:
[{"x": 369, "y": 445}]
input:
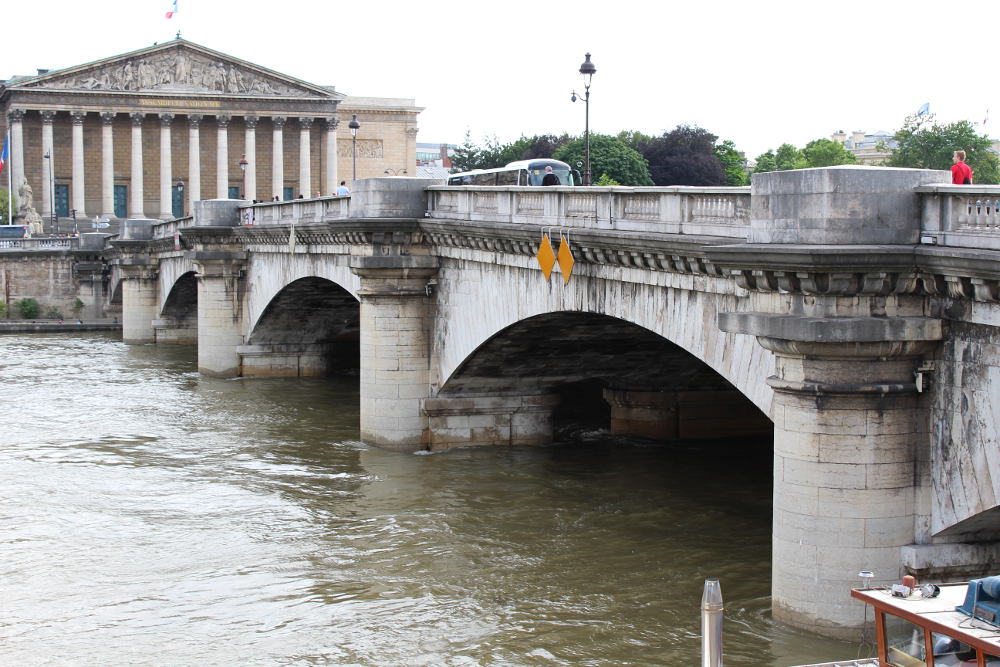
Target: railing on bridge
[
  {"x": 41, "y": 243},
  {"x": 721, "y": 211},
  {"x": 299, "y": 211},
  {"x": 963, "y": 216}
]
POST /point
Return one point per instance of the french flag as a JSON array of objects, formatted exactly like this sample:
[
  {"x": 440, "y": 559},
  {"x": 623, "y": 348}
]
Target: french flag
[
  {"x": 6, "y": 153},
  {"x": 173, "y": 9}
]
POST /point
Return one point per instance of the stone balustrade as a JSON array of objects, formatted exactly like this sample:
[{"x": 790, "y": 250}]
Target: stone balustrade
[
  {"x": 963, "y": 216},
  {"x": 719, "y": 211},
  {"x": 298, "y": 211},
  {"x": 41, "y": 243}
]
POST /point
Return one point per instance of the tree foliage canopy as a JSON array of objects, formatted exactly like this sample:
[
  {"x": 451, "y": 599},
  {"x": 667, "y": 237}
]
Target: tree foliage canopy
[
  {"x": 923, "y": 144},
  {"x": 608, "y": 155},
  {"x": 684, "y": 156},
  {"x": 827, "y": 153},
  {"x": 817, "y": 153}
]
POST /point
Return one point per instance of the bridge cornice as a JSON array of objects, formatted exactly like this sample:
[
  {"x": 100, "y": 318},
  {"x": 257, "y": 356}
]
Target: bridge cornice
[
  {"x": 658, "y": 252},
  {"x": 846, "y": 270}
]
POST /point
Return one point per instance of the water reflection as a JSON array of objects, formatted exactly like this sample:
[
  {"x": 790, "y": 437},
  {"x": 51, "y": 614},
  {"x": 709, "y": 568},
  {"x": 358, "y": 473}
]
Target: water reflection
[{"x": 153, "y": 516}]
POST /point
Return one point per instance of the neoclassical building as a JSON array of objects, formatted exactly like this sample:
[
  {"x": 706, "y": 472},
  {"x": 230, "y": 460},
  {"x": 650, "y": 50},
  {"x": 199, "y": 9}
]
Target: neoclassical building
[{"x": 146, "y": 133}]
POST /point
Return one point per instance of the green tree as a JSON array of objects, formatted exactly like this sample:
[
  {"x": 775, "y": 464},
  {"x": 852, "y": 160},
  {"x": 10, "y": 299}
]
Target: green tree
[
  {"x": 734, "y": 165},
  {"x": 765, "y": 162},
  {"x": 5, "y": 205},
  {"x": 606, "y": 180},
  {"x": 826, "y": 153},
  {"x": 467, "y": 156},
  {"x": 789, "y": 157},
  {"x": 923, "y": 144},
  {"x": 608, "y": 155}
]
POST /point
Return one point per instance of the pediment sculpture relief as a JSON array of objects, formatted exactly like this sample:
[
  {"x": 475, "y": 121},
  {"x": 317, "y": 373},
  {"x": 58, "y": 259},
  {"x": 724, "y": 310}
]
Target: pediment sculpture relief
[{"x": 175, "y": 72}]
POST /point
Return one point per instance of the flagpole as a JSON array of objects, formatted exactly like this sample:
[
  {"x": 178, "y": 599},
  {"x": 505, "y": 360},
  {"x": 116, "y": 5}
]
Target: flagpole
[{"x": 10, "y": 183}]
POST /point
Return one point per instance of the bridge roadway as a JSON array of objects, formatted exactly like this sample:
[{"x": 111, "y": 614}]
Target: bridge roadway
[{"x": 853, "y": 312}]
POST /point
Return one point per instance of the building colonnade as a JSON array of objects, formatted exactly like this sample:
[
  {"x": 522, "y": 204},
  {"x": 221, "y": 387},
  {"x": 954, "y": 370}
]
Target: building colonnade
[{"x": 102, "y": 143}]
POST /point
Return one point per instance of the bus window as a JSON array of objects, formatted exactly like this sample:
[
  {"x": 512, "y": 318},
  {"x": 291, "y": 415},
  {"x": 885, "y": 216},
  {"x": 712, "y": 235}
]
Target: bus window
[
  {"x": 508, "y": 177},
  {"x": 484, "y": 179}
]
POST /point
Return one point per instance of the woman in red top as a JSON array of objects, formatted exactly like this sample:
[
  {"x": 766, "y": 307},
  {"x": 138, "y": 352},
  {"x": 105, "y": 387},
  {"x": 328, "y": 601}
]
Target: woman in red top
[{"x": 961, "y": 173}]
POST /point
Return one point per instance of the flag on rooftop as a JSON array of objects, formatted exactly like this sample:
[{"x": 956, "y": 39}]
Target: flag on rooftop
[
  {"x": 172, "y": 10},
  {"x": 925, "y": 109},
  {"x": 6, "y": 152}
]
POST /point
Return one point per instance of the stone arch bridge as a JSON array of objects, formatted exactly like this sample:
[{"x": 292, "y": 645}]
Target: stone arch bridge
[{"x": 852, "y": 312}]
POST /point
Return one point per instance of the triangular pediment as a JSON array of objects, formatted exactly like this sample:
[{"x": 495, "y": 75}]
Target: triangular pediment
[{"x": 176, "y": 67}]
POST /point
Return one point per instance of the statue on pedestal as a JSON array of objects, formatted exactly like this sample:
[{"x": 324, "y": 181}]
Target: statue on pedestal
[
  {"x": 25, "y": 199},
  {"x": 26, "y": 209}
]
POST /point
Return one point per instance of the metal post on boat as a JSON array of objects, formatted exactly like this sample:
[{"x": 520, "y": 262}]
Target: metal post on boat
[{"x": 711, "y": 624}]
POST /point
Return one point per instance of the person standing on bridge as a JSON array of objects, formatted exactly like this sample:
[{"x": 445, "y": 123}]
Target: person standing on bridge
[
  {"x": 961, "y": 173},
  {"x": 550, "y": 178},
  {"x": 343, "y": 189}
]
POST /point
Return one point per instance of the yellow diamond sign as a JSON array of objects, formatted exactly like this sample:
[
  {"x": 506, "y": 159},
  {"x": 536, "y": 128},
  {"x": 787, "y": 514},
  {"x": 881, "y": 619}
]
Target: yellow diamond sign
[
  {"x": 546, "y": 258},
  {"x": 566, "y": 260}
]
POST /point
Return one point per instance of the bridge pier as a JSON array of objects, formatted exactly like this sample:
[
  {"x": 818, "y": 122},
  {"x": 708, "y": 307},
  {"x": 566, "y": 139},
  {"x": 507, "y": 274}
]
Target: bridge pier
[
  {"x": 687, "y": 415},
  {"x": 283, "y": 360},
  {"x": 464, "y": 421},
  {"x": 220, "y": 311},
  {"x": 139, "y": 292},
  {"x": 396, "y": 322}
]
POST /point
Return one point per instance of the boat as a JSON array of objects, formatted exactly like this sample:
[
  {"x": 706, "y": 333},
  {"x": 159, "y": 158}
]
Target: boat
[{"x": 945, "y": 625}]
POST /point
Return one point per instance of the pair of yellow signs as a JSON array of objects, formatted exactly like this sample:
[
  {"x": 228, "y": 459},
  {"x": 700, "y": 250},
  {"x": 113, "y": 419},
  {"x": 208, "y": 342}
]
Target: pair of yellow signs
[{"x": 548, "y": 259}]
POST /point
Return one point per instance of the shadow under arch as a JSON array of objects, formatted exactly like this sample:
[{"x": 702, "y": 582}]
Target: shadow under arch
[
  {"x": 178, "y": 321},
  {"x": 608, "y": 369},
  {"x": 310, "y": 328}
]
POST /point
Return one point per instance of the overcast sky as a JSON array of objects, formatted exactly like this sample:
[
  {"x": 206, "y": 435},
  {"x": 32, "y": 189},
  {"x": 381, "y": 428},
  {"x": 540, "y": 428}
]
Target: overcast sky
[{"x": 759, "y": 73}]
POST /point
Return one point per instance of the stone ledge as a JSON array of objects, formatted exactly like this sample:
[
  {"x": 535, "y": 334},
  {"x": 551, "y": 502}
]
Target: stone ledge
[
  {"x": 950, "y": 561},
  {"x": 833, "y": 329}
]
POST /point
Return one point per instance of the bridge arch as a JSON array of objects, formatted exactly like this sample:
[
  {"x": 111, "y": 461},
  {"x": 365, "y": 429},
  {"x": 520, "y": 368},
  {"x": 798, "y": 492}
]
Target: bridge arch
[
  {"x": 608, "y": 372},
  {"x": 684, "y": 314},
  {"x": 178, "y": 320},
  {"x": 310, "y": 327}
]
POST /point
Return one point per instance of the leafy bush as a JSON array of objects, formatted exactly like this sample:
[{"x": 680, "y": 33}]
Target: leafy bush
[
  {"x": 77, "y": 307},
  {"x": 3, "y": 309},
  {"x": 53, "y": 313},
  {"x": 28, "y": 308}
]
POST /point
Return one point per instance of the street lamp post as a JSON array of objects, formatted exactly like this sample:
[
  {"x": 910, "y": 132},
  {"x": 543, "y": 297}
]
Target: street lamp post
[
  {"x": 587, "y": 69},
  {"x": 355, "y": 126},
  {"x": 52, "y": 194},
  {"x": 243, "y": 167}
]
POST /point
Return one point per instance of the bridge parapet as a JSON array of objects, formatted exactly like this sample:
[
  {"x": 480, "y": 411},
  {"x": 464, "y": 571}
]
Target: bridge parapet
[
  {"x": 720, "y": 212},
  {"x": 962, "y": 216},
  {"x": 298, "y": 211}
]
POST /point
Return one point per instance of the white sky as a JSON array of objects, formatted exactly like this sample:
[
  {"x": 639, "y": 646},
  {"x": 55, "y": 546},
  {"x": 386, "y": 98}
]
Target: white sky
[{"x": 758, "y": 72}]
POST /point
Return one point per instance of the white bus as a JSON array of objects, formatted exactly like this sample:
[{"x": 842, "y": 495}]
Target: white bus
[{"x": 522, "y": 172}]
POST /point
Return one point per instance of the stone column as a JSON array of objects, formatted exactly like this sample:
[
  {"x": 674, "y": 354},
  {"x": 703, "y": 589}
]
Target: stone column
[
  {"x": 847, "y": 422},
  {"x": 194, "y": 161},
  {"x": 251, "y": 148},
  {"x": 305, "y": 176},
  {"x": 222, "y": 158},
  {"x": 48, "y": 166},
  {"x": 166, "y": 161},
  {"x": 396, "y": 325},
  {"x": 136, "y": 207},
  {"x": 220, "y": 312},
  {"x": 107, "y": 165},
  {"x": 330, "y": 138},
  {"x": 139, "y": 299},
  {"x": 278, "y": 157},
  {"x": 79, "y": 187},
  {"x": 16, "y": 119}
]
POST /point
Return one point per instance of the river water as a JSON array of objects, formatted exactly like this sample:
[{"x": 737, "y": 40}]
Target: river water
[{"x": 151, "y": 516}]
